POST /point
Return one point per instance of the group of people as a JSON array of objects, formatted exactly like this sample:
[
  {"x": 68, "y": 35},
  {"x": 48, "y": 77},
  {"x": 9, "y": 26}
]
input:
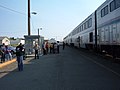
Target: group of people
[
  {"x": 46, "y": 48},
  {"x": 50, "y": 48},
  {"x": 6, "y": 53}
]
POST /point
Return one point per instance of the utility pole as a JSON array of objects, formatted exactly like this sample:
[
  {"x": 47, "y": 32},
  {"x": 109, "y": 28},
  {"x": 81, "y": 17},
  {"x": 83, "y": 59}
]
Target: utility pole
[
  {"x": 96, "y": 47},
  {"x": 38, "y": 32},
  {"x": 39, "y": 35},
  {"x": 28, "y": 17}
]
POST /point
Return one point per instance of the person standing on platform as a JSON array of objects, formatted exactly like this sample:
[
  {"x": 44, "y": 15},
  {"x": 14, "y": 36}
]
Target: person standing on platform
[
  {"x": 3, "y": 53},
  {"x": 36, "y": 48},
  {"x": 47, "y": 47},
  {"x": 63, "y": 45},
  {"x": 19, "y": 54},
  {"x": 58, "y": 46},
  {"x": 8, "y": 54}
]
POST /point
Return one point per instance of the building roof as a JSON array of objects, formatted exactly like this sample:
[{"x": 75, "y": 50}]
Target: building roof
[{"x": 2, "y": 37}]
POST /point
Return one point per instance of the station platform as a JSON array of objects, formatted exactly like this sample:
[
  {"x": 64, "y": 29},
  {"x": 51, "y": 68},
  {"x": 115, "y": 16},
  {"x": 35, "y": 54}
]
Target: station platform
[
  {"x": 71, "y": 69},
  {"x": 2, "y": 65},
  {"x": 7, "y": 63}
]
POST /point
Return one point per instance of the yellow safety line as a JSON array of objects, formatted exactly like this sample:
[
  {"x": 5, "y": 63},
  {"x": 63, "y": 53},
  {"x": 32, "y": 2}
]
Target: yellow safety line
[{"x": 7, "y": 63}]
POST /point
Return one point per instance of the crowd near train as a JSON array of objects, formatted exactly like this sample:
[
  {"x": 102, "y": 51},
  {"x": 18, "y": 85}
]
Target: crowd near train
[{"x": 100, "y": 31}]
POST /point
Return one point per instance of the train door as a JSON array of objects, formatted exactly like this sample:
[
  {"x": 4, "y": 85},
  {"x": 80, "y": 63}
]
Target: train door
[
  {"x": 91, "y": 37},
  {"x": 90, "y": 44},
  {"x": 78, "y": 42}
]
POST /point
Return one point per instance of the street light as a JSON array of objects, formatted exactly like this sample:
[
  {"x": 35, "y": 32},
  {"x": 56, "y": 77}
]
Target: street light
[{"x": 34, "y": 13}]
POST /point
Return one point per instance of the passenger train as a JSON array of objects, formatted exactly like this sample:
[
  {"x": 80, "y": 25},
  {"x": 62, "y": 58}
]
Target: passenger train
[{"x": 100, "y": 31}]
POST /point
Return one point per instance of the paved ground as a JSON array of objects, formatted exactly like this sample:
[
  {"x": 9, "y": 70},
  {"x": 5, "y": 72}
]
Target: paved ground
[{"x": 70, "y": 70}]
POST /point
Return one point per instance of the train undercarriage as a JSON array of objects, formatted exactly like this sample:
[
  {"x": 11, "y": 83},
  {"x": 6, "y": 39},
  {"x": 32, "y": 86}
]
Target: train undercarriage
[{"x": 111, "y": 50}]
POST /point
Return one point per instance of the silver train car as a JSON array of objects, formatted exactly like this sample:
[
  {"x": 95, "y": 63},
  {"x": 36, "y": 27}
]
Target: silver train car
[{"x": 100, "y": 31}]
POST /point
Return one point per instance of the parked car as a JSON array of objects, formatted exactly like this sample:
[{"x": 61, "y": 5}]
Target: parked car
[{"x": 13, "y": 49}]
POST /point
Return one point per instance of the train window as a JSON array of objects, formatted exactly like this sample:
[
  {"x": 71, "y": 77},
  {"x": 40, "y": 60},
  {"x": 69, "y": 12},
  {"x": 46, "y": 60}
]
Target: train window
[
  {"x": 104, "y": 11},
  {"x": 117, "y": 3},
  {"x": 86, "y": 24},
  {"x": 91, "y": 37},
  {"x": 73, "y": 33},
  {"x": 112, "y": 6},
  {"x": 79, "y": 29},
  {"x": 89, "y": 22},
  {"x": 82, "y": 27}
]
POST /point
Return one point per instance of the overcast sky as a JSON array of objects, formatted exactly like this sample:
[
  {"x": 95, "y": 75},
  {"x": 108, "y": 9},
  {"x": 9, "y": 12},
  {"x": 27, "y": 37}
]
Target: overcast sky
[{"x": 57, "y": 18}]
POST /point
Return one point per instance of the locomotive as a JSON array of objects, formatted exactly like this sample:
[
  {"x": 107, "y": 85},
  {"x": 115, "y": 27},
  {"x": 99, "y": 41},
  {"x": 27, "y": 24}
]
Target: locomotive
[{"x": 100, "y": 31}]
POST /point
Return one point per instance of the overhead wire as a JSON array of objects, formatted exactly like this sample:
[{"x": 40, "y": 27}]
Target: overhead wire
[
  {"x": 18, "y": 13},
  {"x": 11, "y": 10}
]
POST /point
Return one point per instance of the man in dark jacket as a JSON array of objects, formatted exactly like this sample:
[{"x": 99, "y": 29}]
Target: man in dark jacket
[
  {"x": 19, "y": 54},
  {"x": 2, "y": 50}
]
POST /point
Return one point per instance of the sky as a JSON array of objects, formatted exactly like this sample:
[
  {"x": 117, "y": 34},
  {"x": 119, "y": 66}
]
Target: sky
[{"x": 57, "y": 18}]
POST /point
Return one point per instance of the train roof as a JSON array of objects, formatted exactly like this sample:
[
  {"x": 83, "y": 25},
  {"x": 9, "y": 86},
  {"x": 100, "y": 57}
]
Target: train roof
[{"x": 90, "y": 15}]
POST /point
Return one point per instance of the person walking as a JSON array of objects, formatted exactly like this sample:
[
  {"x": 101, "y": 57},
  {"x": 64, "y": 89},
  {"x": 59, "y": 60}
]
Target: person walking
[
  {"x": 19, "y": 54},
  {"x": 36, "y": 48}
]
